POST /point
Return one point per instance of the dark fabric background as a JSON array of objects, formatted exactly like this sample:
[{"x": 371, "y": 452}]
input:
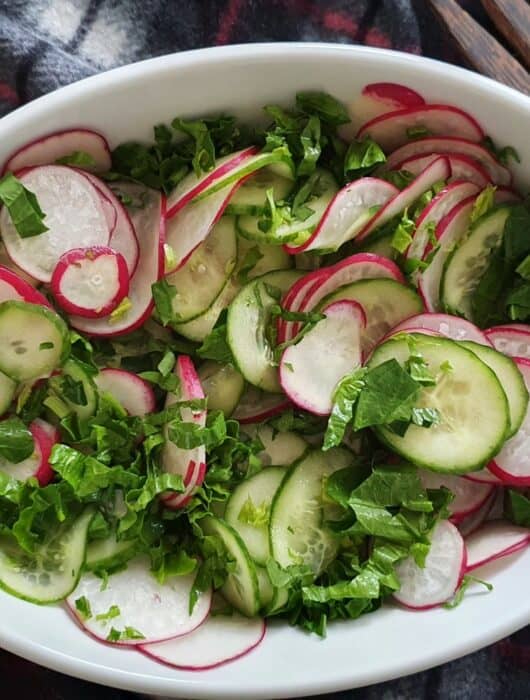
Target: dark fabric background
[{"x": 47, "y": 43}]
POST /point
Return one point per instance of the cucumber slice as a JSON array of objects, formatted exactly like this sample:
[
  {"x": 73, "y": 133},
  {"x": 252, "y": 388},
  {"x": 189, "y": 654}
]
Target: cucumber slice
[
  {"x": 385, "y": 303},
  {"x": 204, "y": 274},
  {"x": 297, "y": 231},
  {"x": 241, "y": 588},
  {"x": 108, "y": 553},
  {"x": 266, "y": 589},
  {"x": 200, "y": 327},
  {"x": 7, "y": 392},
  {"x": 379, "y": 245},
  {"x": 467, "y": 395},
  {"x": 280, "y": 449},
  {"x": 297, "y": 532},
  {"x": 273, "y": 257},
  {"x": 223, "y": 386},
  {"x": 510, "y": 378},
  {"x": 251, "y": 197},
  {"x": 53, "y": 572},
  {"x": 34, "y": 340},
  {"x": 257, "y": 492},
  {"x": 466, "y": 265},
  {"x": 248, "y": 317},
  {"x": 77, "y": 373},
  {"x": 278, "y": 602}
]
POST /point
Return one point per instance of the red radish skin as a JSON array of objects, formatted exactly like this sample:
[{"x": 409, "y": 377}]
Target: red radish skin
[
  {"x": 346, "y": 214},
  {"x": 311, "y": 369},
  {"x": 441, "y": 205},
  {"x": 462, "y": 167},
  {"x": 511, "y": 339},
  {"x": 472, "y": 522},
  {"x": 390, "y": 130},
  {"x": 37, "y": 465},
  {"x": 191, "y": 186},
  {"x": 393, "y": 96},
  {"x": 123, "y": 238},
  {"x": 445, "y": 567},
  {"x": 111, "y": 214},
  {"x": 248, "y": 412},
  {"x": 512, "y": 464},
  {"x": 506, "y": 195},
  {"x": 14, "y": 287},
  {"x": 149, "y": 223},
  {"x": 469, "y": 496},
  {"x": 446, "y": 145},
  {"x": 191, "y": 471},
  {"x": 90, "y": 282},
  {"x": 352, "y": 269},
  {"x": 439, "y": 170},
  {"x": 134, "y": 393},
  {"x": 412, "y": 329},
  {"x": 201, "y": 650},
  {"x": 493, "y": 541},
  {"x": 484, "y": 476},
  {"x": 452, "y": 327},
  {"x": 46, "y": 150}
]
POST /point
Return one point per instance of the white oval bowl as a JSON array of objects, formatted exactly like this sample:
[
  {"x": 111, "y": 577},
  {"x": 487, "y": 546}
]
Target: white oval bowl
[{"x": 125, "y": 104}]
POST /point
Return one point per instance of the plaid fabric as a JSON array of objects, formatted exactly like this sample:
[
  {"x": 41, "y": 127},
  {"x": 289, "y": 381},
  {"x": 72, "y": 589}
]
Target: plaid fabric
[{"x": 47, "y": 43}]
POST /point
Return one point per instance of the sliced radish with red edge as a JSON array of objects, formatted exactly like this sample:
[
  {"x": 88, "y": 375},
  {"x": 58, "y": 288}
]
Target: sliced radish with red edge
[
  {"x": 474, "y": 520},
  {"x": 494, "y": 540},
  {"x": 393, "y": 96},
  {"x": 37, "y": 465},
  {"x": 46, "y": 150},
  {"x": 256, "y": 406},
  {"x": 134, "y": 393},
  {"x": 462, "y": 167},
  {"x": 511, "y": 339},
  {"x": 452, "y": 327},
  {"x": 469, "y": 496},
  {"x": 14, "y": 287},
  {"x": 484, "y": 476}
]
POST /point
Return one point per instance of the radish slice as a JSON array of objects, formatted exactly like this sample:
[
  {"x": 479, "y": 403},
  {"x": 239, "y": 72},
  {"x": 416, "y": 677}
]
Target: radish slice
[
  {"x": 46, "y": 150},
  {"x": 347, "y": 214},
  {"x": 123, "y": 237},
  {"x": 484, "y": 476},
  {"x": 392, "y": 130},
  {"x": 192, "y": 186},
  {"x": 468, "y": 496},
  {"x": 434, "y": 212},
  {"x": 176, "y": 460},
  {"x": 439, "y": 579},
  {"x": 511, "y": 339},
  {"x": 90, "y": 282},
  {"x": 393, "y": 96},
  {"x": 474, "y": 520},
  {"x": 74, "y": 216},
  {"x": 220, "y": 639},
  {"x": 412, "y": 329},
  {"x": 512, "y": 464},
  {"x": 505, "y": 195},
  {"x": 189, "y": 227},
  {"x": 439, "y": 170},
  {"x": 134, "y": 393},
  {"x": 256, "y": 406},
  {"x": 111, "y": 214},
  {"x": 494, "y": 540},
  {"x": 37, "y": 464},
  {"x": 157, "y": 611},
  {"x": 320, "y": 283},
  {"x": 451, "y": 229},
  {"x": 445, "y": 145},
  {"x": 149, "y": 224},
  {"x": 462, "y": 167},
  {"x": 311, "y": 369},
  {"x": 14, "y": 287},
  {"x": 451, "y": 326}
]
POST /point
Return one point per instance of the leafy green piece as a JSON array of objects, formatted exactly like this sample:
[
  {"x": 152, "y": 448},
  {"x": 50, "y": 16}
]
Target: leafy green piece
[
  {"x": 174, "y": 564},
  {"x": 398, "y": 178},
  {"x": 324, "y": 106},
  {"x": 484, "y": 202},
  {"x": 403, "y": 233},
  {"x": 204, "y": 157},
  {"x": 252, "y": 257},
  {"x": 16, "y": 440},
  {"x": 417, "y": 132},
  {"x": 344, "y": 401},
  {"x": 517, "y": 508},
  {"x": 111, "y": 613},
  {"x": 361, "y": 158},
  {"x": 190, "y": 435},
  {"x": 310, "y": 141},
  {"x": 82, "y": 605},
  {"x": 163, "y": 295},
  {"x": 418, "y": 370},
  {"x": 79, "y": 159},
  {"x": 122, "y": 635},
  {"x": 504, "y": 154},
  {"x": 256, "y": 516},
  {"x": 23, "y": 207},
  {"x": 215, "y": 345},
  {"x": 458, "y": 597}
]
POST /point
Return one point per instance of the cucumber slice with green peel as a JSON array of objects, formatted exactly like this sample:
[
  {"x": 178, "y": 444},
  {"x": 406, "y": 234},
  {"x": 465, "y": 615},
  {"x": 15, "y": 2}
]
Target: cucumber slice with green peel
[
  {"x": 108, "y": 553},
  {"x": 54, "y": 571},
  {"x": 223, "y": 386},
  {"x": 200, "y": 327},
  {"x": 248, "y": 510},
  {"x": 467, "y": 394},
  {"x": 241, "y": 588},
  {"x": 202, "y": 277},
  {"x": 273, "y": 257},
  {"x": 385, "y": 303},
  {"x": 266, "y": 589},
  {"x": 279, "y": 449},
  {"x": 379, "y": 245},
  {"x": 34, "y": 340},
  {"x": 251, "y": 197},
  {"x": 298, "y": 534},
  {"x": 84, "y": 400},
  {"x": 510, "y": 378},
  {"x": 7, "y": 392},
  {"x": 466, "y": 265},
  {"x": 247, "y": 322},
  {"x": 278, "y": 602},
  {"x": 296, "y": 231}
]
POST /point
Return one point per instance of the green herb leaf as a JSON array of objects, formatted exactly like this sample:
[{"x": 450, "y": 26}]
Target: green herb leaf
[
  {"x": 256, "y": 516},
  {"x": 517, "y": 508},
  {"x": 79, "y": 159},
  {"x": 215, "y": 345},
  {"x": 111, "y": 613},
  {"x": 23, "y": 207},
  {"x": 484, "y": 202},
  {"x": 16, "y": 441},
  {"x": 82, "y": 605},
  {"x": 361, "y": 158},
  {"x": 344, "y": 400},
  {"x": 458, "y": 597},
  {"x": 324, "y": 106},
  {"x": 163, "y": 295}
]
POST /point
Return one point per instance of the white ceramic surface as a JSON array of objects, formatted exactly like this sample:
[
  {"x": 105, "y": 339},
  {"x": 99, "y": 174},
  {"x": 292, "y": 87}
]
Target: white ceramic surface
[{"x": 124, "y": 104}]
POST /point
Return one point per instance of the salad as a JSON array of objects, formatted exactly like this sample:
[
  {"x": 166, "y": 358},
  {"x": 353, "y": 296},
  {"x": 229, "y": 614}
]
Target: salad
[{"x": 252, "y": 373}]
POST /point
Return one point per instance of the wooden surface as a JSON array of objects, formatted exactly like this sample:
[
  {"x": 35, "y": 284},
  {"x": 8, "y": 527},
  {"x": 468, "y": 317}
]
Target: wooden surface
[
  {"x": 478, "y": 48},
  {"x": 512, "y": 19}
]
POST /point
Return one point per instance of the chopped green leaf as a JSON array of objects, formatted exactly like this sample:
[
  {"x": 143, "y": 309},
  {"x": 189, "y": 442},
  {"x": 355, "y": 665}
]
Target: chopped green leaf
[
  {"x": 79, "y": 159},
  {"x": 82, "y": 605},
  {"x": 256, "y": 516},
  {"x": 362, "y": 157},
  {"x": 23, "y": 207},
  {"x": 458, "y": 597},
  {"x": 344, "y": 400},
  {"x": 163, "y": 295},
  {"x": 324, "y": 106},
  {"x": 16, "y": 441},
  {"x": 111, "y": 613},
  {"x": 484, "y": 202}
]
